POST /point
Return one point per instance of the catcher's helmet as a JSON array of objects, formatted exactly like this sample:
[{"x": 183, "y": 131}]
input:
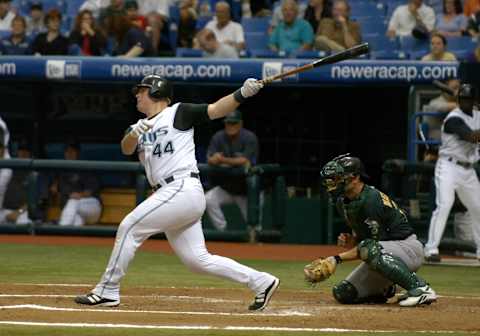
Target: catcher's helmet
[
  {"x": 336, "y": 173},
  {"x": 467, "y": 91},
  {"x": 158, "y": 87}
]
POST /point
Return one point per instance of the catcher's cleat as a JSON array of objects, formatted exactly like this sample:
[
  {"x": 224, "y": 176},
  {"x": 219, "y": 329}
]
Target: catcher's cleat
[
  {"x": 262, "y": 299},
  {"x": 418, "y": 296},
  {"x": 95, "y": 300},
  {"x": 433, "y": 258}
]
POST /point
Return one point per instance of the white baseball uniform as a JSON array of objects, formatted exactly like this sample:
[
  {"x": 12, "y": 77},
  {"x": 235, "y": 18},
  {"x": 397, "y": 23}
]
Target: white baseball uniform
[
  {"x": 175, "y": 208},
  {"x": 454, "y": 173},
  {"x": 5, "y": 173}
]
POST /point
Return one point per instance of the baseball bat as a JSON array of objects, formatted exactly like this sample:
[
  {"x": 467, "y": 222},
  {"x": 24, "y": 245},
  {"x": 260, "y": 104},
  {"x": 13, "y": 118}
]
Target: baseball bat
[
  {"x": 443, "y": 87},
  {"x": 350, "y": 53}
]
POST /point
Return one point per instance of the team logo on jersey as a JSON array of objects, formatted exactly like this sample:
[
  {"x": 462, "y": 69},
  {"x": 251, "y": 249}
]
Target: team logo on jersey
[
  {"x": 373, "y": 226},
  {"x": 149, "y": 138}
]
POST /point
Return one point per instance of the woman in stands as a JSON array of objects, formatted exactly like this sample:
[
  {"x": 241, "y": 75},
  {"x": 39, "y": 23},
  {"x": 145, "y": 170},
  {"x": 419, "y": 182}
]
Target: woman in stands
[
  {"x": 452, "y": 22},
  {"x": 51, "y": 42},
  {"x": 128, "y": 39},
  {"x": 86, "y": 35}
]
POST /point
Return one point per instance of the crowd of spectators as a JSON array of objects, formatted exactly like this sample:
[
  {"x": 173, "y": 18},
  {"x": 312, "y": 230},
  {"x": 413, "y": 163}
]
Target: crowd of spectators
[{"x": 133, "y": 28}]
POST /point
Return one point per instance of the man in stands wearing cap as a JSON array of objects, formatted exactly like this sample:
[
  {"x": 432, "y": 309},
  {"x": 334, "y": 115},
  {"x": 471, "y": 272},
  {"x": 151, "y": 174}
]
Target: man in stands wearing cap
[
  {"x": 234, "y": 146},
  {"x": 6, "y": 15},
  {"x": 78, "y": 192}
]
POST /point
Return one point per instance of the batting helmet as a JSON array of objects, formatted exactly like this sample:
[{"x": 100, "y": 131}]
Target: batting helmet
[
  {"x": 467, "y": 91},
  {"x": 336, "y": 173},
  {"x": 158, "y": 87}
]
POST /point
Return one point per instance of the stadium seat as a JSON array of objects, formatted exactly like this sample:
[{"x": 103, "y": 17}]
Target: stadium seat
[
  {"x": 4, "y": 34},
  {"x": 309, "y": 54},
  {"x": 372, "y": 26},
  {"x": 366, "y": 9},
  {"x": 418, "y": 54},
  {"x": 461, "y": 43},
  {"x": 389, "y": 55},
  {"x": 381, "y": 42},
  {"x": 188, "y": 52},
  {"x": 266, "y": 53},
  {"x": 255, "y": 24},
  {"x": 174, "y": 13},
  {"x": 72, "y": 7},
  {"x": 256, "y": 40},
  {"x": 410, "y": 44},
  {"x": 173, "y": 35},
  {"x": 202, "y": 22}
]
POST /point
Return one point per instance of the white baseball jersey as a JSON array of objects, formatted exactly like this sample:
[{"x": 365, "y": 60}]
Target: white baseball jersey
[
  {"x": 166, "y": 150},
  {"x": 456, "y": 148}
]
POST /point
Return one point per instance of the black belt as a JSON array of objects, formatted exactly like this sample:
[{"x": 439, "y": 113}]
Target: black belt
[
  {"x": 466, "y": 165},
  {"x": 170, "y": 179}
]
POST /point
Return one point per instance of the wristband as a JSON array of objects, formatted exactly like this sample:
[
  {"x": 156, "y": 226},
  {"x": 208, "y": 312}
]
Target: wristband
[
  {"x": 237, "y": 95},
  {"x": 338, "y": 259}
]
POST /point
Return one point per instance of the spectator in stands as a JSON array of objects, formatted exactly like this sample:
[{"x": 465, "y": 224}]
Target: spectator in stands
[
  {"x": 471, "y": 7},
  {"x": 277, "y": 16},
  {"x": 130, "y": 41},
  {"x": 131, "y": 8},
  {"x": 258, "y": 8},
  {"x": 157, "y": 14},
  {"x": 225, "y": 29},
  {"x": 116, "y": 7},
  {"x": 95, "y": 6},
  {"x": 15, "y": 208},
  {"x": 16, "y": 43},
  {"x": 338, "y": 33},
  {"x": 451, "y": 22},
  {"x": 6, "y": 15},
  {"x": 413, "y": 19},
  {"x": 292, "y": 34},
  {"x": 234, "y": 146},
  {"x": 51, "y": 42},
  {"x": 444, "y": 103},
  {"x": 78, "y": 192},
  {"x": 214, "y": 49},
  {"x": 36, "y": 21},
  {"x": 186, "y": 25},
  {"x": 316, "y": 11},
  {"x": 438, "y": 46},
  {"x": 86, "y": 35},
  {"x": 473, "y": 25}
]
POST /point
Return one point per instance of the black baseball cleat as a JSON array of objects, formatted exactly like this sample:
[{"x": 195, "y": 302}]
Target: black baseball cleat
[
  {"x": 435, "y": 258},
  {"x": 262, "y": 299},
  {"x": 95, "y": 300}
]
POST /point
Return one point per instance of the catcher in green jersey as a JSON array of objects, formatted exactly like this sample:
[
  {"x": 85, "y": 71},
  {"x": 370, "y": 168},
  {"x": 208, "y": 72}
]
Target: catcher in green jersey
[{"x": 381, "y": 237}]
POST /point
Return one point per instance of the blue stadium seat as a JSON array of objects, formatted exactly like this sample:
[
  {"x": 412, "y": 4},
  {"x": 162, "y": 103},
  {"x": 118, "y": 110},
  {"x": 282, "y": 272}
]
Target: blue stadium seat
[
  {"x": 372, "y": 26},
  {"x": 202, "y": 22},
  {"x": 256, "y": 40},
  {"x": 410, "y": 43},
  {"x": 256, "y": 24},
  {"x": 174, "y": 13},
  {"x": 5, "y": 34},
  {"x": 266, "y": 53},
  {"x": 72, "y": 7},
  {"x": 389, "y": 55},
  {"x": 188, "y": 52},
  {"x": 366, "y": 9},
  {"x": 460, "y": 43},
  {"x": 309, "y": 54},
  {"x": 173, "y": 34},
  {"x": 418, "y": 54},
  {"x": 381, "y": 42}
]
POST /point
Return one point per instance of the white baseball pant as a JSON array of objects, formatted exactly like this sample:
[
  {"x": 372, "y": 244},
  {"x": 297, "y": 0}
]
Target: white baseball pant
[
  {"x": 175, "y": 209},
  {"x": 78, "y": 212},
  {"x": 450, "y": 177}
]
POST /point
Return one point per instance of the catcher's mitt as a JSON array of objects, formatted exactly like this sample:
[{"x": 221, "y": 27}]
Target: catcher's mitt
[{"x": 320, "y": 269}]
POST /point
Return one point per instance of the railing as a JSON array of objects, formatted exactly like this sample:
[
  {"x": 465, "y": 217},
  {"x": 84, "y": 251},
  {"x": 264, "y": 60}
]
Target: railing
[
  {"x": 252, "y": 176},
  {"x": 413, "y": 140}
]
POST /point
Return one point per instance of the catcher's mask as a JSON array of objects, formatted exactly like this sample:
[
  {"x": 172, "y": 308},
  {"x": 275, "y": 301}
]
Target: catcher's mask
[
  {"x": 337, "y": 173},
  {"x": 158, "y": 87}
]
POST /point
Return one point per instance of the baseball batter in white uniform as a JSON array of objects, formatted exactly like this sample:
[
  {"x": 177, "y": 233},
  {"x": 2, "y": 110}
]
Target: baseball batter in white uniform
[
  {"x": 164, "y": 142},
  {"x": 5, "y": 173},
  {"x": 454, "y": 170}
]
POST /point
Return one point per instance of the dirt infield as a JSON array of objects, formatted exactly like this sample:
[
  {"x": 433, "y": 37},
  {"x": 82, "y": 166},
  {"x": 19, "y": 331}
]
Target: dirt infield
[{"x": 226, "y": 308}]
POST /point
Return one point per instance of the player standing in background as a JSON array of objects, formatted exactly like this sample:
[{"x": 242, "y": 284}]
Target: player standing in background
[
  {"x": 454, "y": 170},
  {"x": 5, "y": 173},
  {"x": 381, "y": 237},
  {"x": 164, "y": 142}
]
